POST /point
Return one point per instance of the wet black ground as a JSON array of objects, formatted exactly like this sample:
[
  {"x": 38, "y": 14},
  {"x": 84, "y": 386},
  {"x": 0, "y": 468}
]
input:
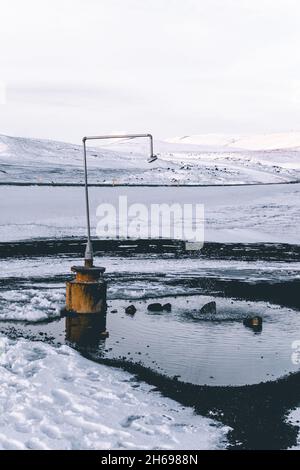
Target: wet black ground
[{"x": 243, "y": 377}]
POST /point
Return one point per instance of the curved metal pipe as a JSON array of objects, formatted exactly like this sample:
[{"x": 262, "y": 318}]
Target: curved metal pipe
[{"x": 88, "y": 257}]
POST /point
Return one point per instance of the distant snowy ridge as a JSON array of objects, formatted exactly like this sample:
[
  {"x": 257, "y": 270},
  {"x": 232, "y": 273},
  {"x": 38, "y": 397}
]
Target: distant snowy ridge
[
  {"x": 276, "y": 141},
  {"x": 199, "y": 160}
]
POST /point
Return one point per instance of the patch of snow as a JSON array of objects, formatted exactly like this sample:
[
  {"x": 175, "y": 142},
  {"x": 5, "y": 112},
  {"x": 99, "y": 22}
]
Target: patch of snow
[
  {"x": 43, "y": 268},
  {"x": 293, "y": 418},
  {"x": 30, "y": 304},
  {"x": 52, "y": 398}
]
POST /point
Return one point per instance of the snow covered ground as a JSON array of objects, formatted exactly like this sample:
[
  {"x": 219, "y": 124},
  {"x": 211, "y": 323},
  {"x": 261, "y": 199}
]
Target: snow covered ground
[
  {"x": 197, "y": 160},
  {"x": 232, "y": 214},
  {"x": 52, "y": 398}
]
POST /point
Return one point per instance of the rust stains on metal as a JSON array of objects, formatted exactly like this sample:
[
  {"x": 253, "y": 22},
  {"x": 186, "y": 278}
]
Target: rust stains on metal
[{"x": 86, "y": 294}]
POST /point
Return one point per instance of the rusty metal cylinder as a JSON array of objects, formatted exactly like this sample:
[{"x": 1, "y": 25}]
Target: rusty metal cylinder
[{"x": 86, "y": 294}]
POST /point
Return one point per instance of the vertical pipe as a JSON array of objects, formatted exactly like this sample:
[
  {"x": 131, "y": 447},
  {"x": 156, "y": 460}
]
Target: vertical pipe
[
  {"x": 151, "y": 145},
  {"x": 88, "y": 257}
]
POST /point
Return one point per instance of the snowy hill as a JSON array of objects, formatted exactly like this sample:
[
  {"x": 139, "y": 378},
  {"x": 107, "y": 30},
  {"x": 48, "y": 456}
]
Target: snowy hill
[
  {"x": 199, "y": 159},
  {"x": 278, "y": 141}
]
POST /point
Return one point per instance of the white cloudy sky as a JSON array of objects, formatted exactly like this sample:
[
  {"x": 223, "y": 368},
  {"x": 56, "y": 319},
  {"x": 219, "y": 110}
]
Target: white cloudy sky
[{"x": 172, "y": 67}]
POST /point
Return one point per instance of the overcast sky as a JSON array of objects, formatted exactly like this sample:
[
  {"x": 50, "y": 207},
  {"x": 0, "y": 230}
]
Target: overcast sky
[{"x": 172, "y": 67}]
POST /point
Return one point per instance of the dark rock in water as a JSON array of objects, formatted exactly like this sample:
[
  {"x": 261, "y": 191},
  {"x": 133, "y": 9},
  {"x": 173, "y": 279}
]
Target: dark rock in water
[
  {"x": 210, "y": 307},
  {"x": 159, "y": 307},
  {"x": 155, "y": 307},
  {"x": 130, "y": 310},
  {"x": 167, "y": 307},
  {"x": 255, "y": 323}
]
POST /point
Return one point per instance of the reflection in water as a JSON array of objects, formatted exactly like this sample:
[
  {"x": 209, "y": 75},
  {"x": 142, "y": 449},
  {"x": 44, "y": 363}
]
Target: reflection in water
[{"x": 88, "y": 330}]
